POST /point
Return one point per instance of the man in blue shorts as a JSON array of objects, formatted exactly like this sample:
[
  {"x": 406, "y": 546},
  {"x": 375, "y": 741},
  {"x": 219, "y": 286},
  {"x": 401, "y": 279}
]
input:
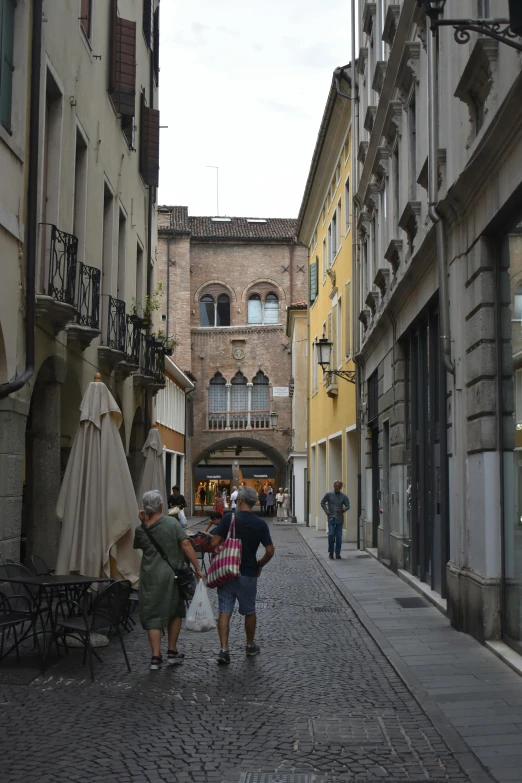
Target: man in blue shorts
[{"x": 253, "y": 531}]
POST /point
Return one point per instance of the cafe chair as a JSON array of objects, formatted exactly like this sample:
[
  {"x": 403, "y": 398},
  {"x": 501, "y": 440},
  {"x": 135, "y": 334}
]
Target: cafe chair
[
  {"x": 107, "y": 611},
  {"x": 15, "y": 611},
  {"x": 39, "y": 567}
]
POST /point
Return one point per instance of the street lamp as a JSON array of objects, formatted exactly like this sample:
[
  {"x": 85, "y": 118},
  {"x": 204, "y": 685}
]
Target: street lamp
[
  {"x": 504, "y": 30},
  {"x": 273, "y": 419},
  {"x": 323, "y": 348}
]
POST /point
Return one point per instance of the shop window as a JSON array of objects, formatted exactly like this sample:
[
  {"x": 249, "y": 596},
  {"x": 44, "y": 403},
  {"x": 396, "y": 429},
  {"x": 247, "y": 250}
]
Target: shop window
[{"x": 517, "y": 305}]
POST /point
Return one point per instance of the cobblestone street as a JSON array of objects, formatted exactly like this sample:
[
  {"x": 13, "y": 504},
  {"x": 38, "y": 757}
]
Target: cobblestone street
[{"x": 321, "y": 700}]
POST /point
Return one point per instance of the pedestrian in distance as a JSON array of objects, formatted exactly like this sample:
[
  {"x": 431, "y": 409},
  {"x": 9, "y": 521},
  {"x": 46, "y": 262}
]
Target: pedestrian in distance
[
  {"x": 286, "y": 504},
  {"x": 252, "y": 531},
  {"x": 270, "y": 502},
  {"x": 233, "y": 498},
  {"x": 335, "y": 504},
  {"x": 279, "y": 501},
  {"x": 202, "y": 497},
  {"x": 176, "y": 499},
  {"x": 219, "y": 503},
  {"x": 262, "y": 500},
  {"x": 160, "y": 603}
]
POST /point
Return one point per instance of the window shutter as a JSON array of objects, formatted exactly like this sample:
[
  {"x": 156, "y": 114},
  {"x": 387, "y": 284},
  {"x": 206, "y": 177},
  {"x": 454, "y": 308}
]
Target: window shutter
[
  {"x": 333, "y": 330},
  {"x": 373, "y": 397},
  {"x": 149, "y": 144},
  {"x": 85, "y": 17},
  {"x": 7, "y": 11},
  {"x": 148, "y": 21},
  {"x": 347, "y": 320},
  {"x": 122, "y": 66},
  {"x": 313, "y": 281},
  {"x": 156, "y": 44}
]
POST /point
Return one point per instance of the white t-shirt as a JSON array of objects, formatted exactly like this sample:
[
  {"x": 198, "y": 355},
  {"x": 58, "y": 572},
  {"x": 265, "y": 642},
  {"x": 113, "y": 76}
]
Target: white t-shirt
[
  {"x": 279, "y": 497},
  {"x": 233, "y": 498}
]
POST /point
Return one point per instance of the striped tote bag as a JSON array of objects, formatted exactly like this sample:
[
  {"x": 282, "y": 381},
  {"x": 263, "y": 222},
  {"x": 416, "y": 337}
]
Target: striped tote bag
[{"x": 226, "y": 563}]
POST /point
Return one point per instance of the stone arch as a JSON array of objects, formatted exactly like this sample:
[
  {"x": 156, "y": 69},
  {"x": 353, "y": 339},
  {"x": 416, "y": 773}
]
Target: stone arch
[
  {"x": 136, "y": 443},
  {"x": 209, "y": 286},
  {"x": 268, "y": 284},
  {"x": 40, "y": 525},
  {"x": 268, "y": 451}
]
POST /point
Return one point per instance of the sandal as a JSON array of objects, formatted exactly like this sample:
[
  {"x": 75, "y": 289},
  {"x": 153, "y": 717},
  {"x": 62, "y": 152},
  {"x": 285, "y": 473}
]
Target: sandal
[
  {"x": 174, "y": 657},
  {"x": 155, "y": 662}
]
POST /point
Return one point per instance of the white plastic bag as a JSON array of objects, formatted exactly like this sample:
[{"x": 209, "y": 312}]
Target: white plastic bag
[
  {"x": 199, "y": 615},
  {"x": 182, "y": 518}
]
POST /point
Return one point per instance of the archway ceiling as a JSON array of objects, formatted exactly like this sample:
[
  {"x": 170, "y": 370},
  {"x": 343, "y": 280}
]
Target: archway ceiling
[{"x": 268, "y": 451}]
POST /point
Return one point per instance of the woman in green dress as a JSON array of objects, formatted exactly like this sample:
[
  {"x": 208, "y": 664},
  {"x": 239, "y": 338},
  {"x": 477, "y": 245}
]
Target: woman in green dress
[{"x": 160, "y": 602}]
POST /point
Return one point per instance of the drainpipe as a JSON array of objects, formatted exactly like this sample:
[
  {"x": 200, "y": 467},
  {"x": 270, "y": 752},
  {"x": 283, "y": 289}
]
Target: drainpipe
[
  {"x": 149, "y": 231},
  {"x": 446, "y": 364},
  {"x": 436, "y": 217},
  {"x": 32, "y": 207},
  {"x": 167, "y": 333}
]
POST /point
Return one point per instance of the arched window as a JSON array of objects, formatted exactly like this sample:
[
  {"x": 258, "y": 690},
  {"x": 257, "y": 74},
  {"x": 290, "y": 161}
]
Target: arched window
[
  {"x": 207, "y": 315},
  {"x": 271, "y": 309},
  {"x": 214, "y": 313},
  {"x": 255, "y": 309},
  {"x": 217, "y": 402},
  {"x": 223, "y": 310},
  {"x": 260, "y": 393},
  {"x": 239, "y": 393}
]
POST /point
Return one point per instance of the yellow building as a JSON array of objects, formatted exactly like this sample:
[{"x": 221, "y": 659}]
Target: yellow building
[{"x": 325, "y": 227}]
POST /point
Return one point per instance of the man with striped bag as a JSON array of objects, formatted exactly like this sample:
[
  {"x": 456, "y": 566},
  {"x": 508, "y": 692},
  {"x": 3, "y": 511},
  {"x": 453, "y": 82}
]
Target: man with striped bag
[{"x": 235, "y": 577}]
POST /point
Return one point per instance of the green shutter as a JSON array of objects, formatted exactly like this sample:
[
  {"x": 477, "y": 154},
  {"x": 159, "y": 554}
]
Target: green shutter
[
  {"x": 313, "y": 281},
  {"x": 7, "y": 12}
]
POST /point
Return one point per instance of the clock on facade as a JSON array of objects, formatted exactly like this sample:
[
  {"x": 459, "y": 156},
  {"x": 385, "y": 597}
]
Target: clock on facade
[{"x": 238, "y": 353}]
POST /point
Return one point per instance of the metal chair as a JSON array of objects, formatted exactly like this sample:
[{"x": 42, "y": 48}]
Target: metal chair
[
  {"x": 39, "y": 566},
  {"x": 107, "y": 611},
  {"x": 15, "y": 610}
]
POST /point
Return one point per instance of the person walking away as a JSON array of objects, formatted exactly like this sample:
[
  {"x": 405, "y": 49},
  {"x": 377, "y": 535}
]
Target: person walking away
[
  {"x": 262, "y": 501},
  {"x": 335, "y": 504},
  {"x": 279, "y": 500},
  {"x": 202, "y": 497},
  {"x": 160, "y": 603},
  {"x": 219, "y": 503},
  {"x": 270, "y": 502},
  {"x": 252, "y": 531},
  {"x": 233, "y": 498},
  {"x": 225, "y": 497},
  {"x": 286, "y": 504}
]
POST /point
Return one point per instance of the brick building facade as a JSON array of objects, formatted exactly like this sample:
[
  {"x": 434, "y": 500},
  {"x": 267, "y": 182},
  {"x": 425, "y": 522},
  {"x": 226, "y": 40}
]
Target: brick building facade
[{"x": 226, "y": 285}]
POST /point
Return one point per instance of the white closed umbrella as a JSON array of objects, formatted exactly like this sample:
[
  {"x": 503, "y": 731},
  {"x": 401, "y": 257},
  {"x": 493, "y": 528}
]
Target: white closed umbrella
[
  {"x": 153, "y": 472},
  {"x": 97, "y": 504}
]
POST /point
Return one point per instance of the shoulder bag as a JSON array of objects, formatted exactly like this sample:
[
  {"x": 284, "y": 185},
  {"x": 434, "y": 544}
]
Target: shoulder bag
[
  {"x": 185, "y": 575},
  {"x": 226, "y": 563}
]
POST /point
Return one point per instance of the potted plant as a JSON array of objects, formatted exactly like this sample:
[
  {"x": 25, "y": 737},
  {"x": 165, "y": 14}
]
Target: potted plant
[{"x": 148, "y": 305}]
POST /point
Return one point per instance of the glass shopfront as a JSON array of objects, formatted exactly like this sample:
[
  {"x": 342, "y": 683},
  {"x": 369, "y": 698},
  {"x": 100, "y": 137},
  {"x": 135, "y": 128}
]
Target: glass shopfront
[{"x": 511, "y": 265}]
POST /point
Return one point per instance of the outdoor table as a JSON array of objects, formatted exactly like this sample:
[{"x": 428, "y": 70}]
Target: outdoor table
[{"x": 44, "y": 586}]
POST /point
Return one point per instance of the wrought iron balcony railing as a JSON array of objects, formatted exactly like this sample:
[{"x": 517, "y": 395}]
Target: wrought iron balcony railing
[
  {"x": 62, "y": 253},
  {"x": 153, "y": 359},
  {"x": 133, "y": 339},
  {"x": 88, "y": 303},
  {"x": 116, "y": 325}
]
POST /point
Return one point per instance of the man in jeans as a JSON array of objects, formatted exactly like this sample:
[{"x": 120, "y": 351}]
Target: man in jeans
[
  {"x": 252, "y": 531},
  {"x": 335, "y": 504}
]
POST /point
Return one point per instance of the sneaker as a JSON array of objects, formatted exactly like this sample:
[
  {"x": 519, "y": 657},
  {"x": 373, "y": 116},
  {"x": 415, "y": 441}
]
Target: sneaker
[
  {"x": 175, "y": 658},
  {"x": 252, "y": 649},
  {"x": 155, "y": 662},
  {"x": 338, "y": 557},
  {"x": 223, "y": 657},
  {"x": 330, "y": 555}
]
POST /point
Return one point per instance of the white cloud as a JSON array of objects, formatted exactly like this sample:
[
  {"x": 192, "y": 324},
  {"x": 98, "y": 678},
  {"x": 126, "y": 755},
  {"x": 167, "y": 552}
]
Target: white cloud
[{"x": 243, "y": 87}]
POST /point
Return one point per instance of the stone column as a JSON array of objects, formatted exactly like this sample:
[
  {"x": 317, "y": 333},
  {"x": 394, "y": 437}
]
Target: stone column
[
  {"x": 229, "y": 388},
  {"x": 250, "y": 386},
  {"x": 13, "y": 418}
]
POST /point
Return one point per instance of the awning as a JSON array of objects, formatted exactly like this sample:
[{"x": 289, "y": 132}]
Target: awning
[
  {"x": 258, "y": 471},
  {"x": 214, "y": 472}
]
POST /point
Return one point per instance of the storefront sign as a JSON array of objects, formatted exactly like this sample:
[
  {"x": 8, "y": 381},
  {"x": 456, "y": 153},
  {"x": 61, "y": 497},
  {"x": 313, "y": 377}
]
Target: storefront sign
[
  {"x": 213, "y": 473},
  {"x": 258, "y": 471}
]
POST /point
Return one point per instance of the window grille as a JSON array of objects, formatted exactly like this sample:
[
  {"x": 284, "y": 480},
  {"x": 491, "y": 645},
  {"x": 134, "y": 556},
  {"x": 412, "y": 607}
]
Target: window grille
[
  {"x": 217, "y": 394},
  {"x": 239, "y": 393},
  {"x": 260, "y": 393}
]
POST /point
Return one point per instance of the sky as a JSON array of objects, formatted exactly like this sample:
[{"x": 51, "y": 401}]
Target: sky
[{"x": 243, "y": 86}]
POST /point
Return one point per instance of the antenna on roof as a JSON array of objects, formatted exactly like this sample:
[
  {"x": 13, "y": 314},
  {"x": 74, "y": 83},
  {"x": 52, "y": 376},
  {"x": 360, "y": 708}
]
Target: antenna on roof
[{"x": 217, "y": 187}]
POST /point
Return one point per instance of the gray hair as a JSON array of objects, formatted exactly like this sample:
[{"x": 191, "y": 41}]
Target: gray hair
[
  {"x": 248, "y": 496},
  {"x": 152, "y": 501}
]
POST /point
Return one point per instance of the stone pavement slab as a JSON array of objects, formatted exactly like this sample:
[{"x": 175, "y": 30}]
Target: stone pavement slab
[
  {"x": 321, "y": 704},
  {"x": 457, "y": 680}
]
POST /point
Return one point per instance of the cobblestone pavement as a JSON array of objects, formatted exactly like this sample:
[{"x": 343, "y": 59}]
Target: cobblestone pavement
[{"x": 321, "y": 700}]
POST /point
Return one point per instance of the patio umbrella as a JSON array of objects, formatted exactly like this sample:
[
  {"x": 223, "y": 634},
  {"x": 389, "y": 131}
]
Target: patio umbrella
[
  {"x": 97, "y": 503},
  {"x": 153, "y": 473}
]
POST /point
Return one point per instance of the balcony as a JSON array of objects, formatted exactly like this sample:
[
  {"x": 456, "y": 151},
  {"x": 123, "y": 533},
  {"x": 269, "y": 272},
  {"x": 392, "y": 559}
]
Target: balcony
[
  {"x": 151, "y": 371},
  {"x": 132, "y": 345},
  {"x": 114, "y": 349},
  {"x": 87, "y": 325},
  {"x": 56, "y": 300},
  {"x": 239, "y": 420}
]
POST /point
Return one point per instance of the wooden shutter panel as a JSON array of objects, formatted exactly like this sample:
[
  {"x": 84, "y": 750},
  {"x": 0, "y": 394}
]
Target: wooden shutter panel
[
  {"x": 313, "y": 281},
  {"x": 156, "y": 43},
  {"x": 7, "y": 10},
  {"x": 85, "y": 16},
  {"x": 149, "y": 145},
  {"x": 148, "y": 21},
  {"x": 122, "y": 66}
]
